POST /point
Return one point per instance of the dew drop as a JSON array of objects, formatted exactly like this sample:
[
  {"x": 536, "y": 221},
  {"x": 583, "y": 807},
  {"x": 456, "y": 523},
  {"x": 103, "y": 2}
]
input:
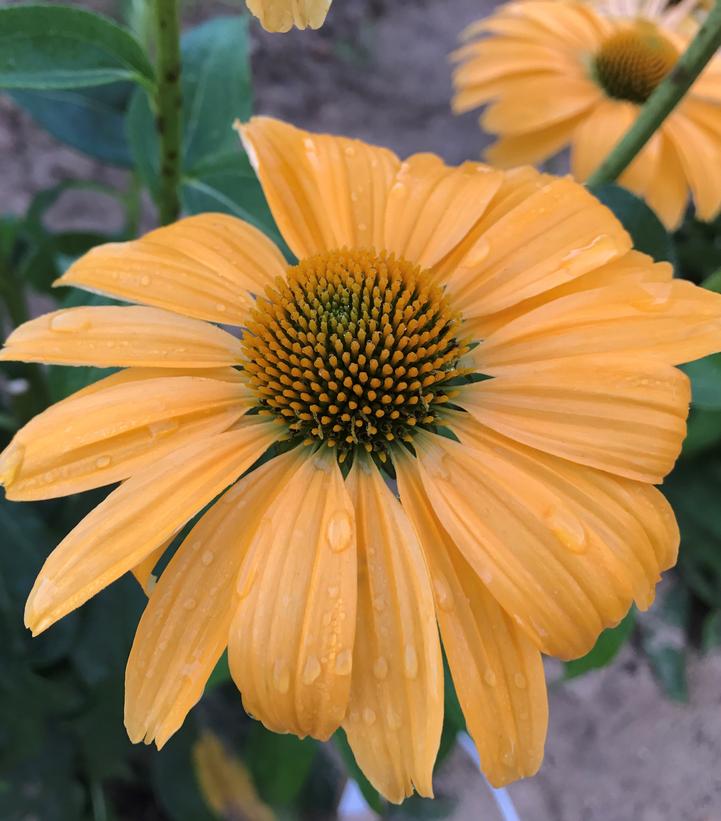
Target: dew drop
[
  {"x": 163, "y": 427},
  {"x": 490, "y": 678},
  {"x": 520, "y": 681},
  {"x": 102, "y": 462},
  {"x": 326, "y": 618},
  {"x": 344, "y": 662},
  {"x": 311, "y": 671},
  {"x": 339, "y": 531},
  {"x": 245, "y": 583},
  {"x": 354, "y": 716},
  {"x": 393, "y": 719},
  {"x": 379, "y": 603},
  {"x": 145, "y": 280},
  {"x": 349, "y": 151},
  {"x": 380, "y": 668},
  {"x": 207, "y": 557},
  {"x": 410, "y": 662},
  {"x": 369, "y": 716},
  {"x": 189, "y": 604},
  {"x": 333, "y": 592},
  {"x": 220, "y": 307},
  {"x": 444, "y": 597},
  {"x": 281, "y": 676},
  {"x": 69, "y": 322}
]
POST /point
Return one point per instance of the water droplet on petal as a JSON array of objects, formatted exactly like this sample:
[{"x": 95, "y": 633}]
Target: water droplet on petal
[
  {"x": 207, "y": 557},
  {"x": 163, "y": 427},
  {"x": 339, "y": 531},
  {"x": 568, "y": 529},
  {"x": 444, "y": 597},
  {"x": 281, "y": 676},
  {"x": 519, "y": 680},
  {"x": 490, "y": 678},
  {"x": 369, "y": 716},
  {"x": 379, "y": 603},
  {"x": 312, "y": 670},
  {"x": 145, "y": 280},
  {"x": 333, "y": 592},
  {"x": 393, "y": 719},
  {"x": 220, "y": 308},
  {"x": 380, "y": 668},
  {"x": 189, "y": 604},
  {"x": 410, "y": 662},
  {"x": 69, "y": 322},
  {"x": 102, "y": 462},
  {"x": 245, "y": 582},
  {"x": 344, "y": 662}
]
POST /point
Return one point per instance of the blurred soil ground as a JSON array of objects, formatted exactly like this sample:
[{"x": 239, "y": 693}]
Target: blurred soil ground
[{"x": 618, "y": 749}]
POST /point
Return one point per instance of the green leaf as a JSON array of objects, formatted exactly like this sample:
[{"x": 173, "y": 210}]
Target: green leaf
[
  {"x": 704, "y": 431},
  {"x": 279, "y": 764},
  {"x": 56, "y": 47},
  {"x": 711, "y": 632},
  {"x": 705, "y": 375},
  {"x": 174, "y": 779},
  {"x": 669, "y": 666},
  {"x": 92, "y": 120},
  {"x": 713, "y": 283},
  {"x": 646, "y": 230},
  {"x": 605, "y": 649},
  {"x": 220, "y": 674}
]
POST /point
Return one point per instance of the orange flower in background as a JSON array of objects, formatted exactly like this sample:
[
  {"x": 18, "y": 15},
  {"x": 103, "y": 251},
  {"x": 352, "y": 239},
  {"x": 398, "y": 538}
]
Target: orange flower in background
[
  {"x": 488, "y": 338},
  {"x": 282, "y": 15},
  {"x": 557, "y": 75}
]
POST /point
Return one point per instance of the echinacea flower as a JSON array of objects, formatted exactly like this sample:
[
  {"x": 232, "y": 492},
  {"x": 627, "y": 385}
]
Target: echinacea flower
[
  {"x": 282, "y": 15},
  {"x": 565, "y": 74},
  {"x": 488, "y": 338}
]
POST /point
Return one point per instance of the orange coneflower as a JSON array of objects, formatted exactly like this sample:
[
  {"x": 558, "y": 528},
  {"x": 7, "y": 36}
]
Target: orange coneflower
[
  {"x": 488, "y": 338},
  {"x": 565, "y": 74},
  {"x": 282, "y": 15}
]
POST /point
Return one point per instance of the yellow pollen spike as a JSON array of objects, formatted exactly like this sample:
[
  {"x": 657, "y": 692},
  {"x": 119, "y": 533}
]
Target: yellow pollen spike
[{"x": 339, "y": 335}]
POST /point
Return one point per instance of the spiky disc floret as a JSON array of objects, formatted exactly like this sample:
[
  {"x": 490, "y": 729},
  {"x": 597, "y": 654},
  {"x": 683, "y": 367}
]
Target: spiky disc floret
[
  {"x": 632, "y": 63},
  {"x": 354, "y": 348}
]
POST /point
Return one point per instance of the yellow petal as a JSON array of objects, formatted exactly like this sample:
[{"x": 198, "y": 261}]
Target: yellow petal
[
  {"x": 549, "y": 539},
  {"x": 667, "y": 193},
  {"x": 670, "y": 322},
  {"x": 107, "y": 435},
  {"x": 566, "y": 233},
  {"x": 143, "y": 571},
  {"x": 226, "y": 783},
  {"x": 497, "y": 671},
  {"x": 139, "y": 516},
  {"x": 396, "y": 705},
  {"x": 203, "y": 266},
  {"x": 185, "y": 626},
  {"x": 118, "y": 337},
  {"x": 432, "y": 207},
  {"x": 616, "y": 413},
  {"x": 325, "y": 192},
  {"x": 532, "y": 146},
  {"x": 282, "y": 15},
  {"x": 291, "y": 642}
]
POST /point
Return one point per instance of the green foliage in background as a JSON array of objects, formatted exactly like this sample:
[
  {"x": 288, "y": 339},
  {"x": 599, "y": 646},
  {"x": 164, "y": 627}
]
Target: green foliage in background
[{"x": 64, "y": 755}]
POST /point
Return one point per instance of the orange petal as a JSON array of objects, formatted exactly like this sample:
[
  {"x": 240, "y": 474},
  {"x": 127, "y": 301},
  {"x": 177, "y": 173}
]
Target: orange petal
[
  {"x": 550, "y": 540},
  {"x": 139, "y": 516},
  {"x": 667, "y": 193},
  {"x": 497, "y": 671},
  {"x": 291, "y": 642},
  {"x": 185, "y": 627},
  {"x": 396, "y": 703},
  {"x": 670, "y": 322},
  {"x": 203, "y": 266},
  {"x": 282, "y": 15},
  {"x": 111, "y": 433},
  {"x": 143, "y": 571},
  {"x": 325, "y": 192},
  {"x": 532, "y": 146},
  {"x": 432, "y": 207},
  {"x": 614, "y": 413},
  {"x": 115, "y": 337}
]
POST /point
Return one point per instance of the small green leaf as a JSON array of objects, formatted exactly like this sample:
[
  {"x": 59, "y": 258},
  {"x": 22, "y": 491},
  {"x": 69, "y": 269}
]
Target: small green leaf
[
  {"x": 705, "y": 376},
  {"x": 57, "y": 47},
  {"x": 92, "y": 120},
  {"x": 279, "y": 764},
  {"x": 713, "y": 283},
  {"x": 669, "y": 666},
  {"x": 605, "y": 649},
  {"x": 711, "y": 632},
  {"x": 646, "y": 230}
]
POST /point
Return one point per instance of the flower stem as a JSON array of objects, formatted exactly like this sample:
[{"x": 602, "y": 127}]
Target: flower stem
[
  {"x": 663, "y": 100},
  {"x": 168, "y": 103}
]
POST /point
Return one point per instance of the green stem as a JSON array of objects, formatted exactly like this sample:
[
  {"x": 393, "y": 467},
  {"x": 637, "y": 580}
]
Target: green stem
[
  {"x": 168, "y": 103},
  {"x": 663, "y": 100}
]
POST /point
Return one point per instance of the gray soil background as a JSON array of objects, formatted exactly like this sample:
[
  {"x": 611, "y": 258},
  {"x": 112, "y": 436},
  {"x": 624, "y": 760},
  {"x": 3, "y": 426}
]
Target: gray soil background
[{"x": 618, "y": 750}]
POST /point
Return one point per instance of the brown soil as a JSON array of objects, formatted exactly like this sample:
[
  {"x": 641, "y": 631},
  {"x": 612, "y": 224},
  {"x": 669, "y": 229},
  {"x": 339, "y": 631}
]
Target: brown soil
[{"x": 618, "y": 750}]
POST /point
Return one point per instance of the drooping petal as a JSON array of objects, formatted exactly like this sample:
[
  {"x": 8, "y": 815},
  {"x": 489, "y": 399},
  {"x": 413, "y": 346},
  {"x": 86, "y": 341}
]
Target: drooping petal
[
  {"x": 432, "y": 207},
  {"x": 107, "y": 435},
  {"x": 139, "y": 516},
  {"x": 532, "y": 146},
  {"x": 325, "y": 192},
  {"x": 396, "y": 704},
  {"x": 119, "y": 337},
  {"x": 549, "y": 539},
  {"x": 566, "y": 233},
  {"x": 616, "y": 413},
  {"x": 291, "y": 642},
  {"x": 667, "y": 193},
  {"x": 204, "y": 266},
  {"x": 282, "y": 15},
  {"x": 670, "y": 322},
  {"x": 143, "y": 571},
  {"x": 497, "y": 671},
  {"x": 185, "y": 626}
]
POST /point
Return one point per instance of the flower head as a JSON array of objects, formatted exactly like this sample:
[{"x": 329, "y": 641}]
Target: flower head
[
  {"x": 282, "y": 15},
  {"x": 488, "y": 339},
  {"x": 566, "y": 74}
]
